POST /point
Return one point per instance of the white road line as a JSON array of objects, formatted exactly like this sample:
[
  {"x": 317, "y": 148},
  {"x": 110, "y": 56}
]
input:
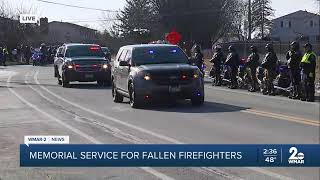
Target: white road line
[
  {"x": 166, "y": 138},
  {"x": 76, "y": 131},
  {"x": 163, "y": 137},
  {"x": 145, "y": 131},
  {"x": 110, "y": 129}
]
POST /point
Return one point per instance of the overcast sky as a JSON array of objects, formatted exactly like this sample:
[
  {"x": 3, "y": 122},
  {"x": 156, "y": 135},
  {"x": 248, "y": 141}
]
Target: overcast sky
[{"x": 92, "y": 18}]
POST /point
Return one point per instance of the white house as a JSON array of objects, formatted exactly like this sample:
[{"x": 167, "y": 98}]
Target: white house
[{"x": 300, "y": 25}]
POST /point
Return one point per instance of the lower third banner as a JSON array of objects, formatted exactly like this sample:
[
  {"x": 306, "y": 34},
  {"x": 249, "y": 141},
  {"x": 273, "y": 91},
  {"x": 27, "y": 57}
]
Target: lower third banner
[{"x": 170, "y": 155}]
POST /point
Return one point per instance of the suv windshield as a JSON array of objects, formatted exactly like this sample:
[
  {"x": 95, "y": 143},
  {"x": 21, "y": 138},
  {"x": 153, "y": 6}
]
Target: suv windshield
[
  {"x": 158, "y": 55},
  {"x": 84, "y": 51}
]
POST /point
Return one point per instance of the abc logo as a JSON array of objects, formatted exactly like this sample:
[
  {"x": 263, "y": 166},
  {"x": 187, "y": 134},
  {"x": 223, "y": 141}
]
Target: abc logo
[{"x": 300, "y": 156}]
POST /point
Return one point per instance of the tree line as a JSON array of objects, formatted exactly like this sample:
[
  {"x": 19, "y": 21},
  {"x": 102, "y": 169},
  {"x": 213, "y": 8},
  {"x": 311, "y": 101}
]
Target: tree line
[{"x": 205, "y": 21}]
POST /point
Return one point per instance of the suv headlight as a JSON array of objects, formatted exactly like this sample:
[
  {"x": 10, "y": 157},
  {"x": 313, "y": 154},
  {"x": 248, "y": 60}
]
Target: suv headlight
[
  {"x": 105, "y": 66},
  {"x": 145, "y": 75}
]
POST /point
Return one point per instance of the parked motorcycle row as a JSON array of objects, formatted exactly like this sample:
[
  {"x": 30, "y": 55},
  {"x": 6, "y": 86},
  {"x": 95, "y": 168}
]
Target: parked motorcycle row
[
  {"x": 293, "y": 78},
  {"x": 282, "y": 82}
]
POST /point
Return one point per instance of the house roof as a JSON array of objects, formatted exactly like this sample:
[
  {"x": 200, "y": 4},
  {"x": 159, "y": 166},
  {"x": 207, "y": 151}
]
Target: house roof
[
  {"x": 71, "y": 24},
  {"x": 306, "y": 13}
]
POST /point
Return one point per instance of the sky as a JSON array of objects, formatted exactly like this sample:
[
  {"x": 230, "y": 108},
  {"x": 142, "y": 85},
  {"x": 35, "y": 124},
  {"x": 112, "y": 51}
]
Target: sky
[{"x": 92, "y": 18}]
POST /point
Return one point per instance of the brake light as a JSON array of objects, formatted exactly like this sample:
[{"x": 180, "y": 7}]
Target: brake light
[
  {"x": 77, "y": 65},
  {"x": 94, "y": 65},
  {"x": 94, "y": 48},
  {"x": 184, "y": 77}
]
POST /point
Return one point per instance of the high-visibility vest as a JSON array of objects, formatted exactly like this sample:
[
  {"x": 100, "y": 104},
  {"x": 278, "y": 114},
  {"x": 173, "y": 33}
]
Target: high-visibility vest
[{"x": 306, "y": 57}]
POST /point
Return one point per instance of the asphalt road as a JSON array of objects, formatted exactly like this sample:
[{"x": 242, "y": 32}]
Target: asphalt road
[{"x": 31, "y": 103}]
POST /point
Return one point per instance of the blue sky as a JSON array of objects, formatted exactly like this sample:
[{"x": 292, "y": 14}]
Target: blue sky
[{"x": 91, "y": 18}]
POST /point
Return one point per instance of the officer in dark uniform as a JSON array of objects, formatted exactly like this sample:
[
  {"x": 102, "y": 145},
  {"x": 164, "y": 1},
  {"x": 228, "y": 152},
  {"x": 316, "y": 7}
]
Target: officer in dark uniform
[
  {"x": 217, "y": 60},
  {"x": 253, "y": 63},
  {"x": 233, "y": 62},
  {"x": 294, "y": 57},
  {"x": 308, "y": 66},
  {"x": 269, "y": 64},
  {"x": 198, "y": 58}
]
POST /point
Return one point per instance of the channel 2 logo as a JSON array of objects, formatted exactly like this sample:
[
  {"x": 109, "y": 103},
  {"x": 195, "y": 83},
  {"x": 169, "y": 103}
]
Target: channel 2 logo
[{"x": 296, "y": 156}]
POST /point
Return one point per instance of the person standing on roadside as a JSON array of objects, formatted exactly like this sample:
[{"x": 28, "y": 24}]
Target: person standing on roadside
[
  {"x": 308, "y": 73},
  {"x": 252, "y": 65},
  {"x": 198, "y": 58},
  {"x": 233, "y": 62},
  {"x": 28, "y": 54},
  {"x": 5, "y": 53},
  {"x": 294, "y": 57},
  {"x": 217, "y": 60},
  {"x": 1, "y": 55},
  {"x": 270, "y": 64}
]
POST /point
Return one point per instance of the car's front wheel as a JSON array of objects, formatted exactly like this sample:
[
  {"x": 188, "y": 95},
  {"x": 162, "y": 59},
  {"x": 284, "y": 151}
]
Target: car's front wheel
[
  {"x": 65, "y": 82},
  {"x": 117, "y": 98},
  {"x": 132, "y": 96}
]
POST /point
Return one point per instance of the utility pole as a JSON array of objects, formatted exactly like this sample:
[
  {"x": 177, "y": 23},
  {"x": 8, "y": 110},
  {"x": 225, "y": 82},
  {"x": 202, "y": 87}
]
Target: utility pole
[
  {"x": 249, "y": 20},
  {"x": 262, "y": 20}
]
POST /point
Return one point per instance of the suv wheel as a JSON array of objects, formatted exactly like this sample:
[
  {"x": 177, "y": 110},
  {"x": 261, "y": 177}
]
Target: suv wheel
[
  {"x": 132, "y": 96},
  {"x": 117, "y": 98},
  {"x": 65, "y": 82},
  {"x": 197, "y": 100},
  {"x": 59, "y": 81}
]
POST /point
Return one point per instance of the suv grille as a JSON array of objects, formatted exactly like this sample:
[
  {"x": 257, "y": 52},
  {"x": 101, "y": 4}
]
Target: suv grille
[
  {"x": 87, "y": 66},
  {"x": 172, "y": 78}
]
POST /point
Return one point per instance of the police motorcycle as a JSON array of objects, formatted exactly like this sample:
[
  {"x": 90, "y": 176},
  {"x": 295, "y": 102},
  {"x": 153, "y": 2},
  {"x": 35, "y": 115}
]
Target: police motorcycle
[
  {"x": 282, "y": 82},
  {"x": 243, "y": 75},
  {"x": 36, "y": 57}
]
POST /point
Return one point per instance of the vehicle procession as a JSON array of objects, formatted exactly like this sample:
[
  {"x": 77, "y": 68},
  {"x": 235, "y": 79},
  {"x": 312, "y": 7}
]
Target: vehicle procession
[{"x": 147, "y": 73}]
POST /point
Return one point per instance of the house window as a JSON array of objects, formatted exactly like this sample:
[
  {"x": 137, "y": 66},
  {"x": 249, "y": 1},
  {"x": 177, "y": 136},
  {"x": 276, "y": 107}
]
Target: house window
[
  {"x": 281, "y": 24},
  {"x": 289, "y": 24},
  {"x": 311, "y": 23}
]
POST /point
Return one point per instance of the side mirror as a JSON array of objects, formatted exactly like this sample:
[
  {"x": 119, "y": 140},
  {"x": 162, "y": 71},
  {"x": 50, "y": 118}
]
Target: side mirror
[{"x": 124, "y": 63}]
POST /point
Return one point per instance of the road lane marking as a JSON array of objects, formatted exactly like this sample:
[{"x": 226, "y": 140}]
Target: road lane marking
[
  {"x": 109, "y": 129},
  {"x": 76, "y": 131},
  {"x": 289, "y": 118},
  {"x": 282, "y": 117},
  {"x": 258, "y": 95},
  {"x": 209, "y": 171},
  {"x": 163, "y": 137}
]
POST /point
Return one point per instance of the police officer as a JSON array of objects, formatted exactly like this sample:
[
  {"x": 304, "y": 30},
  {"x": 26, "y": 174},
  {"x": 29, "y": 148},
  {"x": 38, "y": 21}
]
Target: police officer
[
  {"x": 198, "y": 58},
  {"x": 269, "y": 64},
  {"x": 252, "y": 64},
  {"x": 294, "y": 57},
  {"x": 217, "y": 60},
  {"x": 233, "y": 62},
  {"x": 308, "y": 66},
  {"x": 5, "y": 55}
]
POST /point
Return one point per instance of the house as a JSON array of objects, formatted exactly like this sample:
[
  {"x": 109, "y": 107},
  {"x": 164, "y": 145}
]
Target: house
[
  {"x": 64, "y": 32},
  {"x": 300, "y": 25}
]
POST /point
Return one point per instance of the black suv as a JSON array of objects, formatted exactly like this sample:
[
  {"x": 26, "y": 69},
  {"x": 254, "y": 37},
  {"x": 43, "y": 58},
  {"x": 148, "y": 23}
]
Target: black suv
[
  {"x": 81, "y": 63},
  {"x": 144, "y": 73}
]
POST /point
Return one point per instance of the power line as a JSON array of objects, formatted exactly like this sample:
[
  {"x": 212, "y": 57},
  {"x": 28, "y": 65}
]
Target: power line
[
  {"x": 97, "y": 20},
  {"x": 74, "y": 6}
]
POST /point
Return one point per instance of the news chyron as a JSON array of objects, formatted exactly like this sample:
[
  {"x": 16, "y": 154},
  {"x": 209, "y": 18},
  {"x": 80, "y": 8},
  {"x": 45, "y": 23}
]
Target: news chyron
[{"x": 57, "y": 151}]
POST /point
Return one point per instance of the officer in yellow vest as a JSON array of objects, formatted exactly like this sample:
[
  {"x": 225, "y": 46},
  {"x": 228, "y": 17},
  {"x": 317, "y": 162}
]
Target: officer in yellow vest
[{"x": 308, "y": 73}]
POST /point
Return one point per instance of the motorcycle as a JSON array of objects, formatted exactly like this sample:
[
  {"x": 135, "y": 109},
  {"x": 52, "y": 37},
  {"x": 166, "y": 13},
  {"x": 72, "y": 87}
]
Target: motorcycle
[
  {"x": 37, "y": 58},
  {"x": 282, "y": 83}
]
